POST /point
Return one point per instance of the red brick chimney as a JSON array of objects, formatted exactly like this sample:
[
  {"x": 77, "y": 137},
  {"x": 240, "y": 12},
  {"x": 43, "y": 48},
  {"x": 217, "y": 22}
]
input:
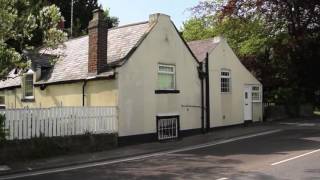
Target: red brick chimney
[{"x": 98, "y": 43}]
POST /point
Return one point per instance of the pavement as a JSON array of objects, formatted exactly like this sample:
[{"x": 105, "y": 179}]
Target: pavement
[{"x": 229, "y": 153}]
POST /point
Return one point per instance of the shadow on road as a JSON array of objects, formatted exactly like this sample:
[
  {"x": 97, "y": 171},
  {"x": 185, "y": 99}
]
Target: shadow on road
[
  {"x": 225, "y": 160},
  {"x": 280, "y": 143}
]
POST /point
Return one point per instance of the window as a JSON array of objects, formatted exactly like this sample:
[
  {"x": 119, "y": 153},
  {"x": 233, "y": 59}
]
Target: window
[
  {"x": 166, "y": 77},
  {"x": 167, "y": 127},
  {"x": 225, "y": 81},
  {"x": 256, "y": 94},
  {"x": 2, "y": 102},
  {"x": 28, "y": 86}
]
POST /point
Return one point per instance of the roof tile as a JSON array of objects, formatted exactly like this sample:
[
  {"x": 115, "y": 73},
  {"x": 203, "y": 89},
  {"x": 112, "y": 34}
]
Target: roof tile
[{"x": 201, "y": 47}]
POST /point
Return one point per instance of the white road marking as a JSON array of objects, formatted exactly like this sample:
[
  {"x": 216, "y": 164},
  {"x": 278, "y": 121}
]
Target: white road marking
[
  {"x": 4, "y": 168},
  {"x": 300, "y": 124},
  {"x": 224, "y": 178},
  {"x": 95, "y": 164},
  {"x": 296, "y": 157}
]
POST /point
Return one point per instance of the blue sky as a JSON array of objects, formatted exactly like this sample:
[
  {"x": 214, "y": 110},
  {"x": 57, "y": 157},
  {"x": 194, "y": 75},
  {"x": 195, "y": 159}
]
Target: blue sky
[{"x": 130, "y": 11}]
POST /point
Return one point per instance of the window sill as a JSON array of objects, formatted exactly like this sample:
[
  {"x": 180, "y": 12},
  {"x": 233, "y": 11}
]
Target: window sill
[
  {"x": 28, "y": 99},
  {"x": 167, "y": 91}
]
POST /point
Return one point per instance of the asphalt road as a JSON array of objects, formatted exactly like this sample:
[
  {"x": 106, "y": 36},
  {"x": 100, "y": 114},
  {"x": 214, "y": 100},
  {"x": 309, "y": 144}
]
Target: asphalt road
[{"x": 290, "y": 154}]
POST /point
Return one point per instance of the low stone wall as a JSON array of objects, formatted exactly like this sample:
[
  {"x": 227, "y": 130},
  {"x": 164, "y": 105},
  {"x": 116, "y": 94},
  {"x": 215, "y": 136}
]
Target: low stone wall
[
  {"x": 42, "y": 147},
  {"x": 306, "y": 110},
  {"x": 277, "y": 112}
]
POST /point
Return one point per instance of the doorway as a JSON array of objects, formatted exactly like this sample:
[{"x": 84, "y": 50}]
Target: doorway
[{"x": 247, "y": 103}]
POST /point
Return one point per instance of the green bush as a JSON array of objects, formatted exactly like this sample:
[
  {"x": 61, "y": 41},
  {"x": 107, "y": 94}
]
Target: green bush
[{"x": 3, "y": 131}]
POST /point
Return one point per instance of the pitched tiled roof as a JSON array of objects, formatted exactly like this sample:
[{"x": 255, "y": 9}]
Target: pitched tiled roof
[
  {"x": 122, "y": 40},
  {"x": 72, "y": 63},
  {"x": 12, "y": 81},
  {"x": 201, "y": 47}
]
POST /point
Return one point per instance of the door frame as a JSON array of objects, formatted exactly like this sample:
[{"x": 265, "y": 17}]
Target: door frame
[{"x": 247, "y": 89}]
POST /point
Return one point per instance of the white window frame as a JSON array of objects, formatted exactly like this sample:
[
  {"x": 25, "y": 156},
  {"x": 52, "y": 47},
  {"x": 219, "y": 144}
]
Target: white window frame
[
  {"x": 29, "y": 73},
  {"x": 259, "y": 91},
  {"x": 166, "y": 72},
  {"x": 225, "y": 77}
]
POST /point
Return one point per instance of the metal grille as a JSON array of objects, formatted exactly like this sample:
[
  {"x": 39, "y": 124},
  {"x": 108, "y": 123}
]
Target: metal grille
[{"x": 167, "y": 128}]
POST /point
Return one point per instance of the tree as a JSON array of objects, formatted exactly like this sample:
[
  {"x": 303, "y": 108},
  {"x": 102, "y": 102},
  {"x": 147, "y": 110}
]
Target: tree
[
  {"x": 296, "y": 25},
  {"x": 111, "y": 20},
  {"x": 82, "y": 14},
  {"x": 246, "y": 36},
  {"x": 20, "y": 21},
  {"x": 196, "y": 29}
]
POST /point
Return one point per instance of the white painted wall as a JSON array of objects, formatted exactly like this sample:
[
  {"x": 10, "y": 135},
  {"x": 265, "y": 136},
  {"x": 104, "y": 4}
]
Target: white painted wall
[
  {"x": 138, "y": 103},
  {"x": 227, "y": 108}
]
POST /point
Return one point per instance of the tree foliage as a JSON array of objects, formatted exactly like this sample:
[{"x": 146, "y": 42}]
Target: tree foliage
[
  {"x": 245, "y": 37},
  {"x": 82, "y": 14},
  {"x": 22, "y": 25},
  {"x": 27, "y": 24},
  {"x": 112, "y": 21},
  {"x": 196, "y": 29}
]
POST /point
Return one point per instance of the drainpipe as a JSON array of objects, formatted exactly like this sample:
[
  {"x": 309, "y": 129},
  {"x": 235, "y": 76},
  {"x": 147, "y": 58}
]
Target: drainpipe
[
  {"x": 201, "y": 77},
  {"x": 83, "y": 92},
  {"x": 207, "y": 93},
  {"x": 15, "y": 98}
]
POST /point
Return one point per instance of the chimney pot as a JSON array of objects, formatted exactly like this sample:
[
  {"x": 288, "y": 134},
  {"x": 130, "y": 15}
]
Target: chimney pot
[
  {"x": 154, "y": 18},
  {"x": 97, "y": 14}
]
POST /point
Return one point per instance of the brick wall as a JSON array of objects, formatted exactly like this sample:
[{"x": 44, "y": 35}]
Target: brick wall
[{"x": 98, "y": 43}]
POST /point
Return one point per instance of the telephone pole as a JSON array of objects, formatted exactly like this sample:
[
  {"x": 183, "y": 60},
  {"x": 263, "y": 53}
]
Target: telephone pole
[{"x": 71, "y": 18}]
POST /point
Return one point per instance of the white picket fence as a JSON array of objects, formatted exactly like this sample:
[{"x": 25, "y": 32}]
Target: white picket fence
[{"x": 59, "y": 121}]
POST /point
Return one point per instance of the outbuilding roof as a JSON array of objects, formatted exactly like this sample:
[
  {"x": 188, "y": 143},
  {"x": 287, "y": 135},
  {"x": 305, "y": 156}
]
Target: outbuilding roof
[
  {"x": 72, "y": 63},
  {"x": 201, "y": 47}
]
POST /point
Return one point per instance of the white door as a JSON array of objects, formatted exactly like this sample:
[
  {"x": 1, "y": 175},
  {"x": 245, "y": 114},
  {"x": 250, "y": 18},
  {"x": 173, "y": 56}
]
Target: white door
[{"x": 247, "y": 103}]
